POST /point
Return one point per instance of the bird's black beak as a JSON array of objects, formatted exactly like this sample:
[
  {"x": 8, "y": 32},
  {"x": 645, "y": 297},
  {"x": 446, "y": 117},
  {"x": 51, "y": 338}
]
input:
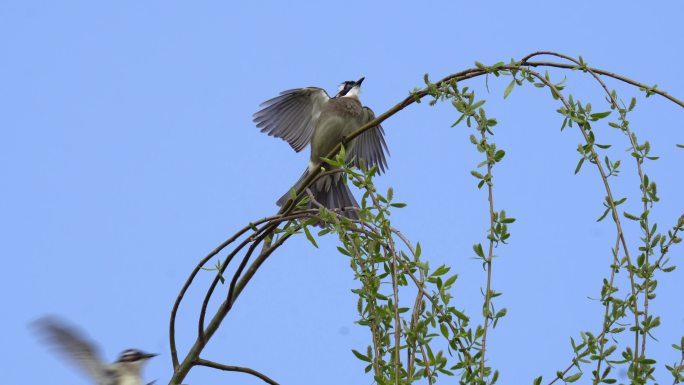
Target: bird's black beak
[
  {"x": 149, "y": 355},
  {"x": 358, "y": 82}
]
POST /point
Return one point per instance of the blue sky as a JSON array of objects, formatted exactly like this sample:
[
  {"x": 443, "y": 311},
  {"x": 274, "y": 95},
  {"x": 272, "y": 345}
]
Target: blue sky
[{"x": 128, "y": 153}]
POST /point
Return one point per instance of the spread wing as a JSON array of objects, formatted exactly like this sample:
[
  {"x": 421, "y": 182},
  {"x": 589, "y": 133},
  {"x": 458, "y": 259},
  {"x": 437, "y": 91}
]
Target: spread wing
[
  {"x": 370, "y": 145},
  {"x": 292, "y": 115},
  {"x": 77, "y": 349}
]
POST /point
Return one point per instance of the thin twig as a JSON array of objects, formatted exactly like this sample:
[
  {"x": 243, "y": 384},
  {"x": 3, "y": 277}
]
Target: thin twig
[
  {"x": 417, "y": 304},
  {"x": 395, "y": 289},
  {"x": 372, "y": 309},
  {"x": 669, "y": 243},
  {"x": 525, "y": 61},
  {"x": 614, "y": 266},
  {"x": 233, "y": 368},
  {"x": 490, "y": 255},
  {"x": 426, "y": 361},
  {"x": 678, "y": 371},
  {"x": 397, "y": 322}
]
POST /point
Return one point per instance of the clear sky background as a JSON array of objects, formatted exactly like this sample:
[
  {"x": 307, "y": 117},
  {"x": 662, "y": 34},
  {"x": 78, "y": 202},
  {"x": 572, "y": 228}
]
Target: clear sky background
[{"x": 127, "y": 152}]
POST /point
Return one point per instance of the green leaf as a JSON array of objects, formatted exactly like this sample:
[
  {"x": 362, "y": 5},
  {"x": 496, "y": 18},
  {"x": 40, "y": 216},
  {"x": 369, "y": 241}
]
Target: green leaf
[
  {"x": 579, "y": 165},
  {"x": 478, "y": 250},
  {"x": 445, "y": 331},
  {"x": 450, "y": 281},
  {"x": 604, "y": 215},
  {"x": 310, "y": 237},
  {"x": 599, "y": 115},
  {"x": 360, "y": 356},
  {"x": 632, "y": 103},
  {"x": 509, "y": 88},
  {"x": 680, "y": 145},
  {"x": 440, "y": 271},
  {"x": 461, "y": 315},
  {"x": 537, "y": 380},
  {"x": 477, "y": 104},
  {"x": 495, "y": 377},
  {"x": 573, "y": 378}
]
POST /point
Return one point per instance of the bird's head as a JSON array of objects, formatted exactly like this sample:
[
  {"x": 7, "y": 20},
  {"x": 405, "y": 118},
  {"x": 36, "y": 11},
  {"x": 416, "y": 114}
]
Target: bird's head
[
  {"x": 134, "y": 356},
  {"x": 349, "y": 88}
]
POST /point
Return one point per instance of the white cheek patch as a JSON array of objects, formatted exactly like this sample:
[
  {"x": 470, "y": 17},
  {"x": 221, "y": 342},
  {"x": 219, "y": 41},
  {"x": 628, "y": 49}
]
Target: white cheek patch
[{"x": 354, "y": 92}]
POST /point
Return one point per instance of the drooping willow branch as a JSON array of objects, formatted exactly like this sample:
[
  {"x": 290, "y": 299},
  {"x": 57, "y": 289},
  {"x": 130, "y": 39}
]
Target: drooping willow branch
[
  {"x": 267, "y": 233},
  {"x": 610, "y": 200},
  {"x": 611, "y": 97}
]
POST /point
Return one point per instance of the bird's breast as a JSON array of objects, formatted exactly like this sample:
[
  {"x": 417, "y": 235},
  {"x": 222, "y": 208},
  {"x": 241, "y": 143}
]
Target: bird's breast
[
  {"x": 339, "y": 118},
  {"x": 130, "y": 379}
]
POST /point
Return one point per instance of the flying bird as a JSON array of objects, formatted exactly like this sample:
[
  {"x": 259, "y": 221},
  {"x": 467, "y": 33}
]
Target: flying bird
[
  {"x": 310, "y": 116},
  {"x": 126, "y": 370}
]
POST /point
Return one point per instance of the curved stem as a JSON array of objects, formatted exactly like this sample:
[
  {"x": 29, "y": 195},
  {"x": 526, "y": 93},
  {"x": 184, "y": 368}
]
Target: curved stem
[
  {"x": 232, "y": 368},
  {"x": 188, "y": 282},
  {"x": 525, "y": 61},
  {"x": 194, "y": 352},
  {"x": 273, "y": 220}
]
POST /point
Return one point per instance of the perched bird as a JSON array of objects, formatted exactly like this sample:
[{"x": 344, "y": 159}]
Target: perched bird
[
  {"x": 308, "y": 115},
  {"x": 125, "y": 371}
]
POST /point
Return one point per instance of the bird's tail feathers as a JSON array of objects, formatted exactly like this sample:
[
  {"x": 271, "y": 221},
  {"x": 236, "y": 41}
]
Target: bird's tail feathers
[
  {"x": 331, "y": 191},
  {"x": 288, "y": 195}
]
